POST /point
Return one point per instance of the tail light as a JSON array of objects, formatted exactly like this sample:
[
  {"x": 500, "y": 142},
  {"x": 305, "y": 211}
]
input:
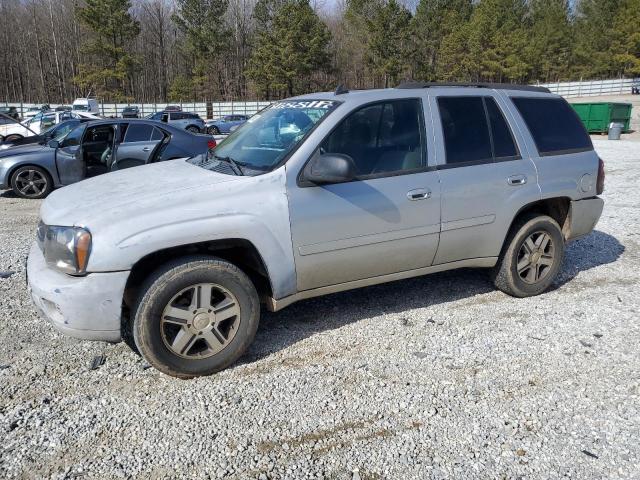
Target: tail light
[
  {"x": 600, "y": 182},
  {"x": 211, "y": 144}
]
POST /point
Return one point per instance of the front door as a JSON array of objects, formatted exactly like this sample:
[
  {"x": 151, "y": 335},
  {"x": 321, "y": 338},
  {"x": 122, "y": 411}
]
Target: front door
[
  {"x": 388, "y": 219},
  {"x": 69, "y": 162},
  {"x": 137, "y": 148},
  {"x": 485, "y": 179}
]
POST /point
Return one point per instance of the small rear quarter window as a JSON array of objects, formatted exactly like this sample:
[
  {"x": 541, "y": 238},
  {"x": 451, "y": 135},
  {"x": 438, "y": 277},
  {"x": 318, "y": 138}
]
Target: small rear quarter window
[{"x": 554, "y": 125}]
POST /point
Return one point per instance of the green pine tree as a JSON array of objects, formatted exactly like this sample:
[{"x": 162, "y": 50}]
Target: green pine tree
[
  {"x": 388, "y": 45},
  {"x": 550, "y": 40},
  {"x": 594, "y": 37},
  {"x": 498, "y": 35},
  {"x": 290, "y": 51},
  {"x": 625, "y": 45},
  {"x": 437, "y": 22},
  {"x": 205, "y": 40},
  {"x": 110, "y": 63}
]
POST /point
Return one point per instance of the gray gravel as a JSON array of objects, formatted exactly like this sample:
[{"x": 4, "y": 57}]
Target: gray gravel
[{"x": 436, "y": 377}]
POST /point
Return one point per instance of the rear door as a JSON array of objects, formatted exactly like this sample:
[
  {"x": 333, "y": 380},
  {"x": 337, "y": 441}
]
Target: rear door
[
  {"x": 138, "y": 146},
  {"x": 485, "y": 173}
]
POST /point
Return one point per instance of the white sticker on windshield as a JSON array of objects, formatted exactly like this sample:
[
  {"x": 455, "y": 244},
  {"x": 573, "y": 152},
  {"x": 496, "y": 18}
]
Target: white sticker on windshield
[{"x": 325, "y": 104}]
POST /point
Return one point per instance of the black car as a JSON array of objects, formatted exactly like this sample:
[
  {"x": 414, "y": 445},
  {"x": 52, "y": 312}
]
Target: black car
[
  {"x": 11, "y": 112},
  {"x": 92, "y": 148},
  {"x": 56, "y": 132},
  {"x": 131, "y": 112}
]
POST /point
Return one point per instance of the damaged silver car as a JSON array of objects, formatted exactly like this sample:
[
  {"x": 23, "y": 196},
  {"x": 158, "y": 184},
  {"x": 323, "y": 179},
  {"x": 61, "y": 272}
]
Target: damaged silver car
[{"x": 314, "y": 195}]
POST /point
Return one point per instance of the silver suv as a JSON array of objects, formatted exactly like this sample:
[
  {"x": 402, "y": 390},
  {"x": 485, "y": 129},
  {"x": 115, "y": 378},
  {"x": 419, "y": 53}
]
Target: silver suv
[{"x": 314, "y": 195}]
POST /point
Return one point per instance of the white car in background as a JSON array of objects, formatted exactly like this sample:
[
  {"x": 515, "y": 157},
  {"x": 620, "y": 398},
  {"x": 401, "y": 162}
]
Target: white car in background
[
  {"x": 39, "y": 123},
  {"x": 87, "y": 105}
]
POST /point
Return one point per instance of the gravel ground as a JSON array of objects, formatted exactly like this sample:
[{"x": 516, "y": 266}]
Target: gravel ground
[{"x": 435, "y": 377}]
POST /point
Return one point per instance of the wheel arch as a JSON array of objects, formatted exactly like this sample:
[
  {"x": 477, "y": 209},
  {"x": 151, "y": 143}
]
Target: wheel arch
[
  {"x": 11, "y": 170},
  {"x": 558, "y": 208},
  {"x": 241, "y": 252}
]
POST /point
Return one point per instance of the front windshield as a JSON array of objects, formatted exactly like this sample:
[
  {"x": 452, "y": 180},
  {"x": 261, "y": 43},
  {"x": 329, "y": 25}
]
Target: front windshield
[
  {"x": 82, "y": 108},
  {"x": 267, "y": 137}
]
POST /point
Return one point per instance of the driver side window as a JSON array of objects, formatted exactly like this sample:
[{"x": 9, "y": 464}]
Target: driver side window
[
  {"x": 74, "y": 138},
  {"x": 382, "y": 139}
]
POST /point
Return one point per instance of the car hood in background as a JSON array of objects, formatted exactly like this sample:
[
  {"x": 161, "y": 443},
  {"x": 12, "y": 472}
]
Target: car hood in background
[{"x": 116, "y": 195}]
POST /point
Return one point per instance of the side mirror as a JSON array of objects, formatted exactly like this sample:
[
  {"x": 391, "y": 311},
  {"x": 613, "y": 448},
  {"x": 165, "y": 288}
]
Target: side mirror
[
  {"x": 53, "y": 143},
  {"x": 330, "y": 168}
]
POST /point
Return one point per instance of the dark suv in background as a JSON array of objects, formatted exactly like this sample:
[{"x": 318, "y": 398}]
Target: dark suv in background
[{"x": 131, "y": 112}]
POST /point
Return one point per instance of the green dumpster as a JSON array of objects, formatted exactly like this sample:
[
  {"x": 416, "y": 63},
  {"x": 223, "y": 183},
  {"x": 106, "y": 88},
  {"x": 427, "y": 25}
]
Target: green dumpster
[{"x": 596, "y": 117}]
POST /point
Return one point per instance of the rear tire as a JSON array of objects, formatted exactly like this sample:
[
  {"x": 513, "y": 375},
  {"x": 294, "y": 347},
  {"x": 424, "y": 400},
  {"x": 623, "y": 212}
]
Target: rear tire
[
  {"x": 214, "y": 130},
  {"x": 193, "y": 129},
  {"x": 11, "y": 138},
  {"x": 31, "y": 182},
  {"x": 531, "y": 258},
  {"x": 195, "y": 316}
]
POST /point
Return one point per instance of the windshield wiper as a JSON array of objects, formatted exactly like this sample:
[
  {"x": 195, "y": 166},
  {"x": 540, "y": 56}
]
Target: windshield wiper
[{"x": 234, "y": 165}]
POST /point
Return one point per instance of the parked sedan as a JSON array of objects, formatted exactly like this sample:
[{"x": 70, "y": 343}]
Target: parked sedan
[
  {"x": 225, "y": 124},
  {"x": 93, "y": 148}
]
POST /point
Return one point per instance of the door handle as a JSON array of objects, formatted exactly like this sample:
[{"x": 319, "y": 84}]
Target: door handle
[
  {"x": 146, "y": 149},
  {"x": 419, "y": 194},
  {"x": 517, "y": 180}
]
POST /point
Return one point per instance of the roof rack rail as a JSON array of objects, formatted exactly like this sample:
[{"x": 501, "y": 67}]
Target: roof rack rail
[{"x": 495, "y": 86}]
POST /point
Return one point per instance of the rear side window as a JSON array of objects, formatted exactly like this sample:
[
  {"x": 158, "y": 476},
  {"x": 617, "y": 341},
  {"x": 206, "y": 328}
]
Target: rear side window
[
  {"x": 504, "y": 147},
  {"x": 157, "y": 134},
  {"x": 554, "y": 126},
  {"x": 137, "y": 132}
]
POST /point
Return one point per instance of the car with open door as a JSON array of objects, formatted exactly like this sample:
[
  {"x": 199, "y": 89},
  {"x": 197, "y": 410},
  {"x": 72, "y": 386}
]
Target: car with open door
[{"x": 93, "y": 148}]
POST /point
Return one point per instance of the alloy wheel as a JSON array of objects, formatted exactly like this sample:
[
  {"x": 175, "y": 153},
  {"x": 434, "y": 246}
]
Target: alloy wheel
[
  {"x": 200, "y": 321},
  {"x": 535, "y": 257},
  {"x": 31, "y": 183}
]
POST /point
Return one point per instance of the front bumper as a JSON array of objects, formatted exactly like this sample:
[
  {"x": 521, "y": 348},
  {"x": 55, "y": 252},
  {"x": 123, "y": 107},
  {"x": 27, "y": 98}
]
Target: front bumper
[
  {"x": 89, "y": 307},
  {"x": 584, "y": 215}
]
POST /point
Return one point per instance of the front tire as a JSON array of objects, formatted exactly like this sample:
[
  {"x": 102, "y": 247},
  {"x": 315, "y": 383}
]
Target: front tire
[
  {"x": 31, "y": 182},
  {"x": 531, "y": 258},
  {"x": 12, "y": 138},
  {"x": 196, "y": 316},
  {"x": 193, "y": 129},
  {"x": 214, "y": 130}
]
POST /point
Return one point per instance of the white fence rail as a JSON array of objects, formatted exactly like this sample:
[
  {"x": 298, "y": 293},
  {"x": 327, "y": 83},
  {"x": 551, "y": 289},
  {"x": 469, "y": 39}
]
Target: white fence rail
[
  {"x": 588, "y": 88},
  {"x": 205, "y": 110},
  {"x": 592, "y": 88}
]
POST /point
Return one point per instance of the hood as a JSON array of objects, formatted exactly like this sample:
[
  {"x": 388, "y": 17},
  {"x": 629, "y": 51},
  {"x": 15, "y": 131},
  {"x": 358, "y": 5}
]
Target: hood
[
  {"x": 22, "y": 150},
  {"x": 126, "y": 193}
]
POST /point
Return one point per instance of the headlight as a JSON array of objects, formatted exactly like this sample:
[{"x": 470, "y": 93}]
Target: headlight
[{"x": 65, "y": 248}]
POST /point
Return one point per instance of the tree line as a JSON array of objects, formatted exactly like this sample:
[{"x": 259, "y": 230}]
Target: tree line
[{"x": 208, "y": 50}]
